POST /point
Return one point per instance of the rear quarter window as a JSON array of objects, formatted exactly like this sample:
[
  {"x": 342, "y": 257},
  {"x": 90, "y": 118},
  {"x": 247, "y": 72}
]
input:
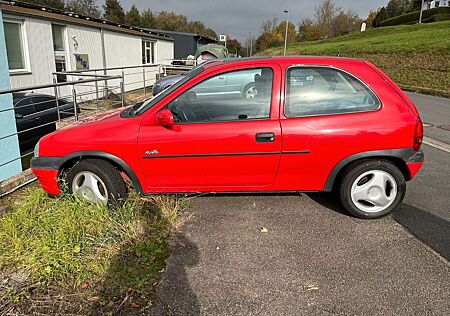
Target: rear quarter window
[{"x": 324, "y": 91}]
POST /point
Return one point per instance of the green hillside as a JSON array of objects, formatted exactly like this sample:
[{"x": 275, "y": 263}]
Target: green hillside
[{"x": 417, "y": 57}]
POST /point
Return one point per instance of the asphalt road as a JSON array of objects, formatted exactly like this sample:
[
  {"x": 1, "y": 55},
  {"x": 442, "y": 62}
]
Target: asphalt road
[{"x": 315, "y": 259}]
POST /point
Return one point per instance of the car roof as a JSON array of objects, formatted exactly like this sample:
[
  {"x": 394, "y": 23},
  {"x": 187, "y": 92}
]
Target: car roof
[
  {"x": 21, "y": 95},
  {"x": 286, "y": 60}
]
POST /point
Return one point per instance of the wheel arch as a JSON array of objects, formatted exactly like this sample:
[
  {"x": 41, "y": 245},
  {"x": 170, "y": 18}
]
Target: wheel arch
[
  {"x": 70, "y": 160},
  {"x": 399, "y": 157}
]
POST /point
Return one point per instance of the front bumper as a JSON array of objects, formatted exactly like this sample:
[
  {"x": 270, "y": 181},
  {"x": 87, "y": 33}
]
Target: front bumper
[
  {"x": 46, "y": 170},
  {"x": 48, "y": 178}
]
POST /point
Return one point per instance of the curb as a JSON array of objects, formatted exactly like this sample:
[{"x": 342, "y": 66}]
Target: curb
[{"x": 14, "y": 183}]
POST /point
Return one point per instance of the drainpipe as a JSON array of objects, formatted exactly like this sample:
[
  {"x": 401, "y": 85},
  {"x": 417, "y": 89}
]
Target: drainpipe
[{"x": 102, "y": 36}]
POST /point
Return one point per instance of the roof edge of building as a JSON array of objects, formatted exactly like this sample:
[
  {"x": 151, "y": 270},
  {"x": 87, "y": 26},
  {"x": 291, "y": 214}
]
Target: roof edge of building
[{"x": 33, "y": 10}]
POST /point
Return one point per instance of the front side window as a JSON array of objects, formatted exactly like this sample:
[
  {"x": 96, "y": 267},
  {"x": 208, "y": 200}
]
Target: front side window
[
  {"x": 148, "y": 52},
  {"x": 233, "y": 96},
  {"x": 14, "y": 47},
  {"x": 323, "y": 91}
]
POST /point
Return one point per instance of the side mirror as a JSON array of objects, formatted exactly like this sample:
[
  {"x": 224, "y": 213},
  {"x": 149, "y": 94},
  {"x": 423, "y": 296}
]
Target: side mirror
[
  {"x": 165, "y": 118},
  {"x": 19, "y": 116}
]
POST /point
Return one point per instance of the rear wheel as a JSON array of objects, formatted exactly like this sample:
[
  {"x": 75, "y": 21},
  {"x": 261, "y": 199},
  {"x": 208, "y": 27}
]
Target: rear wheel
[
  {"x": 97, "y": 181},
  {"x": 372, "y": 188}
]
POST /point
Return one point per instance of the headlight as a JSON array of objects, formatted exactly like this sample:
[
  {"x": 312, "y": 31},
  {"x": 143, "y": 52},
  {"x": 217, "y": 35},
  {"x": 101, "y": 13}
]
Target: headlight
[{"x": 36, "y": 150}]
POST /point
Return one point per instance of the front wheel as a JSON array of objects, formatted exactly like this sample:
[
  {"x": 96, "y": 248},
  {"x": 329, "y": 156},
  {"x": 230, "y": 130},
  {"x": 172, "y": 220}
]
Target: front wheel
[
  {"x": 372, "y": 188},
  {"x": 97, "y": 181},
  {"x": 250, "y": 91}
]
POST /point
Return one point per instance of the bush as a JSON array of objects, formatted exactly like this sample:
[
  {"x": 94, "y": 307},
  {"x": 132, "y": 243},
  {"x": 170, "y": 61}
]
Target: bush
[{"x": 413, "y": 17}]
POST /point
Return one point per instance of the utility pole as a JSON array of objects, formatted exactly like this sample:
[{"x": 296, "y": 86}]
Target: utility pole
[
  {"x": 286, "y": 34},
  {"x": 421, "y": 11}
]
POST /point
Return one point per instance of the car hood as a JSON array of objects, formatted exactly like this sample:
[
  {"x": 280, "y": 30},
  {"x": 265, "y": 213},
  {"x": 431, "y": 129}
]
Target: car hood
[{"x": 99, "y": 133}]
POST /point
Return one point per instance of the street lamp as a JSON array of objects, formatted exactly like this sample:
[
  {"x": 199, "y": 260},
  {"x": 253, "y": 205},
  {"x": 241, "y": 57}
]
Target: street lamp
[
  {"x": 251, "y": 43},
  {"x": 286, "y": 34},
  {"x": 421, "y": 10}
]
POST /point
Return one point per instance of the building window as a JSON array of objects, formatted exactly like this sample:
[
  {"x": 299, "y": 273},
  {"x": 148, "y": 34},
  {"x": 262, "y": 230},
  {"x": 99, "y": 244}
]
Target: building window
[
  {"x": 148, "y": 52},
  {"x": 14, "y": 45},
  {"x": 436, "y": 4},
  {"x": 58, "y": 38}
]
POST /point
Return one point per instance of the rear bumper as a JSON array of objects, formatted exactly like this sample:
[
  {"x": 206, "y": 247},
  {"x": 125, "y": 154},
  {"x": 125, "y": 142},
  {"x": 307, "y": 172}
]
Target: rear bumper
[
  {"x": 414, "y": 164},
  {"x": 48, "y": 178}
]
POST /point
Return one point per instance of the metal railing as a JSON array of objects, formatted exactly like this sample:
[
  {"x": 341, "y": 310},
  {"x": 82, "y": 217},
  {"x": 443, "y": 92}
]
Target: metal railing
[{"x": 85, "y": 93}]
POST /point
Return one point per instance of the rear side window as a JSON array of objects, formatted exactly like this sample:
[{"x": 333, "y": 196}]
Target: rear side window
[
  {"x": 323, "y": 91},
  {"x": 44, "y": 103},
  {"x": 24, "y": 106}
]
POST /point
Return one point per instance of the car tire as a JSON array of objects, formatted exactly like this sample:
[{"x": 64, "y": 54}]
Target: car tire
[
  {"x": 97, "y": 181},
  {"x": 249, "y": 91},
  {"x": 372, "y": 188}
]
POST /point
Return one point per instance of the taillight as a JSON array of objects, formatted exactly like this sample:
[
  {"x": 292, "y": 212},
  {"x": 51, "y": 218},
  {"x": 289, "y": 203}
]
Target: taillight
[{"x": 418, "y": 135}]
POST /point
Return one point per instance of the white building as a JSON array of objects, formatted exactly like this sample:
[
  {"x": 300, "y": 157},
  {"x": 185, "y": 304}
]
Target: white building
[
  {"x": 435, "y": 4},
  {"x": 40, "y": 41}
]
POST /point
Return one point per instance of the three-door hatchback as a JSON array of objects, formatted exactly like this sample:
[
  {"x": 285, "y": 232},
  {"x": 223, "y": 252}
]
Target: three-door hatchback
[{"x": 310, "y": 124}]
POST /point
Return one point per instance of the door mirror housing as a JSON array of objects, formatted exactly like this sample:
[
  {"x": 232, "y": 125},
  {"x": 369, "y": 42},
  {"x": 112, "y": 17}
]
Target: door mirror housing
[{"x": 165, "y": 118}]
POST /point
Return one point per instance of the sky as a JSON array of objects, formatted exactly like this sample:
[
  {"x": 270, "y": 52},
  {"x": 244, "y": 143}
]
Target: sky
[{"x": 239, "y": 17}]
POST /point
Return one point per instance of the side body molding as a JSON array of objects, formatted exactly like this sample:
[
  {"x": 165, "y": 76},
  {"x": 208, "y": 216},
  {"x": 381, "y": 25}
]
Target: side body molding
[
  {"x": 56, "y": 163},
  {"x": 405, "y": 154}
]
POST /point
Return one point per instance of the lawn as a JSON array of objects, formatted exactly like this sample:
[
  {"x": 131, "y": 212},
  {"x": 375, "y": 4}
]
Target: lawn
[
  {"x": 66, "y": 256},
  {"x": 417, "y": 57}
]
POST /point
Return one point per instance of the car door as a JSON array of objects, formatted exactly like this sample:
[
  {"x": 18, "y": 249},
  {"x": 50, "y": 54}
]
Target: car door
[
  {"x": 217, "y": 144},
  {"x": 46, "y": 106}
]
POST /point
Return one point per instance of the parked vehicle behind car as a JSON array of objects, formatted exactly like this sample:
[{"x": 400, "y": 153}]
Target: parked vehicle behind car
[
  {"x": 314, "y": 124},
  {"x": 203, "y": 53},
  {"x": 36, "y": 116}
]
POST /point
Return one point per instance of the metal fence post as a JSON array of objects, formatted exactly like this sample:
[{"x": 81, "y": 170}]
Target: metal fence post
[
  {"x": 122, "y": 88},
  {"x": 74, "y": 97},
  {"x": 143, "y": 76},
  {"x": 96, "y": 93},
  {"x": 57, "y": 100}
]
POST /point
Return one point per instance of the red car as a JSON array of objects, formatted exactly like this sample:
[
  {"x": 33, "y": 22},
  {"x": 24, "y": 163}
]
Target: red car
[{"x": 313, "y": 124}]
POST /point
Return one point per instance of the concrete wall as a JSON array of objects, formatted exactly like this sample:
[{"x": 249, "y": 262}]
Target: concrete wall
[{"x": 10, "y": 165}]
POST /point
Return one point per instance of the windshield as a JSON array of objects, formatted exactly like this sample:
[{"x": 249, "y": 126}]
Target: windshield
[{"x": 141, "y": 108}]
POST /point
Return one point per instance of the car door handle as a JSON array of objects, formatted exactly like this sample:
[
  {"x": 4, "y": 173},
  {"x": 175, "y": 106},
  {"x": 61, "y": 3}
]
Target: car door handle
[
  {"x": 37, "y": 118},
  {"x": 265, "y": 137}
]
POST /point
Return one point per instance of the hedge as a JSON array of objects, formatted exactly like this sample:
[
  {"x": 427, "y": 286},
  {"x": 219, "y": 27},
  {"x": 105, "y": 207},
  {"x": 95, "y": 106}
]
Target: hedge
[{"x": 413, "y": 17}]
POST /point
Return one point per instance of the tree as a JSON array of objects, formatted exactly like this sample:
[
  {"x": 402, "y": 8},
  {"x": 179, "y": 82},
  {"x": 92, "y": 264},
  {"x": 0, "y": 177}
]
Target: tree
[
  {"x": 292, "y": 32},
  {"x": 371, "y": 18},
  {"x": 56, "y": 4},
  {"x": 148, "y": 19},
  {"x": 346, "y": 23},
  {"x": 267, "y": 34},
  {"x": 83, "y": 7},
  {"x": 171, "y": 22},
  {"x": 234, "y": 46},
  {"x": 381, "y": 16},
  {"x": 113, "y": 11},
  {"x": 133, "y": 17},
  {"x": 397, "y": 7},
  {"x": 324, "y": 14}
]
